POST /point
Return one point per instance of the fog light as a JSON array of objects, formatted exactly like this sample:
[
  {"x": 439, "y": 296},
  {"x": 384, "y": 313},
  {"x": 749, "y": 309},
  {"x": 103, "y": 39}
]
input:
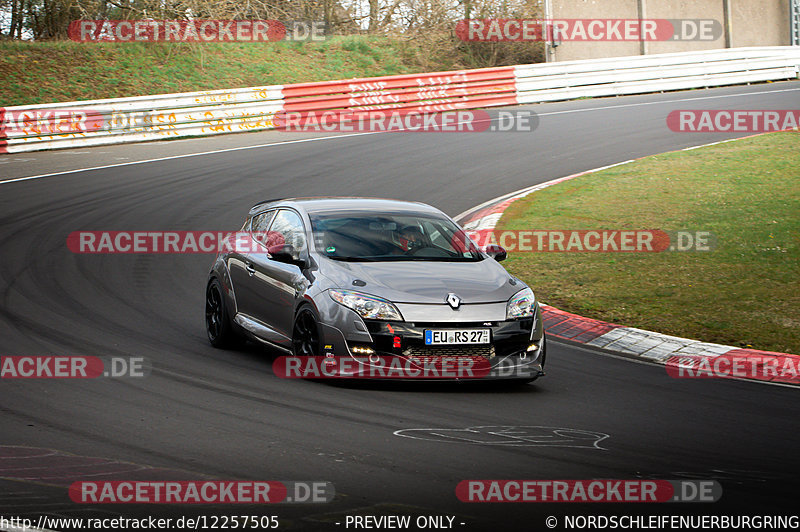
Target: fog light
[
  {"x": 361, "y": 350},
  {"x": 532, "y": 347}
]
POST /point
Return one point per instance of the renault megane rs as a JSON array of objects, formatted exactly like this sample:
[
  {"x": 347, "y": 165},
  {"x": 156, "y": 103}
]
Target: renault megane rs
[{"x": 357, "y": 276}]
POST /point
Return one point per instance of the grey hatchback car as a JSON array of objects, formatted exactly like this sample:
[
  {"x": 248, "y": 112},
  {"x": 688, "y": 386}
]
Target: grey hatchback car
[{"x": 358, "y": 277}]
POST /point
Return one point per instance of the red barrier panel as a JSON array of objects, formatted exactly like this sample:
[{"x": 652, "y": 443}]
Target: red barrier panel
[
  {"x": 469, "y": 103},
  {"x": 396, "y": 96},
  {"x": 397, "y": 81},
  {"x": 431, "y": 92}
]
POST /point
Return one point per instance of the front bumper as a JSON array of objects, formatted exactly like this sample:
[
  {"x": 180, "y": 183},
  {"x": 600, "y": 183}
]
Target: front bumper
[{"x": 517, "y": 349}]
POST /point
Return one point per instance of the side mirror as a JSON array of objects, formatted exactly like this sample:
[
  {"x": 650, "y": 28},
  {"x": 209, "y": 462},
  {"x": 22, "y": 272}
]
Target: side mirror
[
  {"x": 287, "y": 254},
  {"x": 498, "y": 253}
]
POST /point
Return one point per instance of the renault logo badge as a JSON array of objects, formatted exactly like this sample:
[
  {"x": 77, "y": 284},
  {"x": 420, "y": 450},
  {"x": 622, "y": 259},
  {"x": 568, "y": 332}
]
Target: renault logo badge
[{"x": 453, "y": 300}]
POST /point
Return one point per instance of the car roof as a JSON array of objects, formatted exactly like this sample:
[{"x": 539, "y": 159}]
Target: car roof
[{"x": 346, "y": 204}]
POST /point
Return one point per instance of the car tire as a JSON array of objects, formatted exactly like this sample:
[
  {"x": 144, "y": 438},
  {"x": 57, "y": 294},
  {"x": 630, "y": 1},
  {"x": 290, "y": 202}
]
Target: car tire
[
  {"x": 306, "y": 333},
  {"x": 219, "y": 327}
]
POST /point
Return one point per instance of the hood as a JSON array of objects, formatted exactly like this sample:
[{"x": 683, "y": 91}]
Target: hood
[{"x": 425, "y": 282}]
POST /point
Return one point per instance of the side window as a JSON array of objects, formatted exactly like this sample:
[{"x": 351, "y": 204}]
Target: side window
[
  {"x": 261, "y": 221},
  {"x": 259, "y": 225},
  {"x": 287, "y": 229}
]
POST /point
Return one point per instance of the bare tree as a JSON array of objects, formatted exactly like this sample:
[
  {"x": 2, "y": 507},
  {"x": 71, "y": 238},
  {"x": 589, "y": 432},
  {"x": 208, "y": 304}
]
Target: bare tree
[{"x": 431, "y": 21}]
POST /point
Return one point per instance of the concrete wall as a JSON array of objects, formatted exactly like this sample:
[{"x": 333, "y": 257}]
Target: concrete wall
[
  {"x": 594, "y": 9},
  {"x": 753, "y": 23},
  {"x": 760, "y": 22},
  {"x": 689, "y": 9}
]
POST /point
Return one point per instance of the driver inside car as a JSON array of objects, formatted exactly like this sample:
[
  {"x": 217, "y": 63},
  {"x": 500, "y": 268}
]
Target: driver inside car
[{"x": 411, "y": 238}]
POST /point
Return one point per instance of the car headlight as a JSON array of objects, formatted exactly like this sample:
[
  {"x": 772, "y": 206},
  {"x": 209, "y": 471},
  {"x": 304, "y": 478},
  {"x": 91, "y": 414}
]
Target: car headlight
[
  {"x": 522, "y": 305},
  {"x": 367, "y": 306}
]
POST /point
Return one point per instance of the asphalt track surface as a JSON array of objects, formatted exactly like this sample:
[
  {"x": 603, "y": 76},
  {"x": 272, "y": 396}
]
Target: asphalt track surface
[{"x": 206, "y": 413}]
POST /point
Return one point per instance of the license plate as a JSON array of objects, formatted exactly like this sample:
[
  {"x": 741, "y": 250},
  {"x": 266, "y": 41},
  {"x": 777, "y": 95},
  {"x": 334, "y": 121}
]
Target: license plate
[{"x": 456, "y": 336}]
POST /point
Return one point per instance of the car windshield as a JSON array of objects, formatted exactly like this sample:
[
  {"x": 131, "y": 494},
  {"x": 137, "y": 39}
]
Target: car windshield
[{"x": 366, "y": 236}]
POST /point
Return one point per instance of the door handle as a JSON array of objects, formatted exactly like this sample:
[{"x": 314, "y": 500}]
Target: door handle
[{"x": 250, "y": 269}]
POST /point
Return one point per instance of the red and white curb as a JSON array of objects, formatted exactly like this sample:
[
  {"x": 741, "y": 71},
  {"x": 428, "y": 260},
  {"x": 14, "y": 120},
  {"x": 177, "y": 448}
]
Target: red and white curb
[{"x": 672, "y": 351}]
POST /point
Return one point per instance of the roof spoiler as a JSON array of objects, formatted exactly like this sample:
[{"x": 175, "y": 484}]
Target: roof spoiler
[{"x": 260, "y": 203}]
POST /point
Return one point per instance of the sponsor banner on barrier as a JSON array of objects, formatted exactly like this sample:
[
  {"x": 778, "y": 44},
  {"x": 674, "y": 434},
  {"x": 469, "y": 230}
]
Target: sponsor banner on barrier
[
  {"x": 588, "y": 491},
  {"x": 733, "y": 121},
  {"x": 196, "y": 30},
  {"x": 591, "y": 30},
  {"x": 72, "y": 367}
]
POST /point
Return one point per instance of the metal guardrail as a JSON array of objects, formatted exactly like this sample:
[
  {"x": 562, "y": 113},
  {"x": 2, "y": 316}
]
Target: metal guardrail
[
  {"x": 140, "y": 118},
  {"x": 160, "y": 117},
  {"x": 436, "y": 91},
  {"x": 654, "y": 73}
]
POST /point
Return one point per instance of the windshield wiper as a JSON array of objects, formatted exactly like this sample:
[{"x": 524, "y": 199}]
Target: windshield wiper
[
  {"x": 443, "y": 259},
  {"x": 353, "y": 259}
]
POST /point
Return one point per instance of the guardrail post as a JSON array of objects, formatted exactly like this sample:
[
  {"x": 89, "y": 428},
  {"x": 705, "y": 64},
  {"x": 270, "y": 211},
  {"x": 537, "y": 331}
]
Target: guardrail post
[
  {"x": 726, "y": 15},
  {"x": 641, "y": 6},
  {"x": 549, "y": 51}
]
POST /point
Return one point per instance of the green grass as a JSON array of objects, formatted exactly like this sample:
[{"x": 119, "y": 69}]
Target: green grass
[
  {"x": 746, "y": 292},
  {"x": 44, "y": 72}
]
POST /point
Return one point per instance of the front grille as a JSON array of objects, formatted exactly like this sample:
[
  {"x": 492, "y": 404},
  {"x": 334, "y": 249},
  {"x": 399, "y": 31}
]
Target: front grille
[
  {"x": 454, "y": 324},
  {"x": 427, "y": 353},
  {"x": 382, "y": 327}
]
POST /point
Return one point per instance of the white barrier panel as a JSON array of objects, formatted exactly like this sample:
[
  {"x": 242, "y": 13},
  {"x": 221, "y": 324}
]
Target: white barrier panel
[
  {"x": 136, "y": 119},
  {"x": 641, "y": 74}
]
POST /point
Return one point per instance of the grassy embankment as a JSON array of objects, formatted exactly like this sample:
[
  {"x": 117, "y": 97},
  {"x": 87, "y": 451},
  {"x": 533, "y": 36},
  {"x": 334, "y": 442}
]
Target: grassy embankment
[
  {"x": 57, "y": 71},
  {"x": 746, "y": 292}
]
